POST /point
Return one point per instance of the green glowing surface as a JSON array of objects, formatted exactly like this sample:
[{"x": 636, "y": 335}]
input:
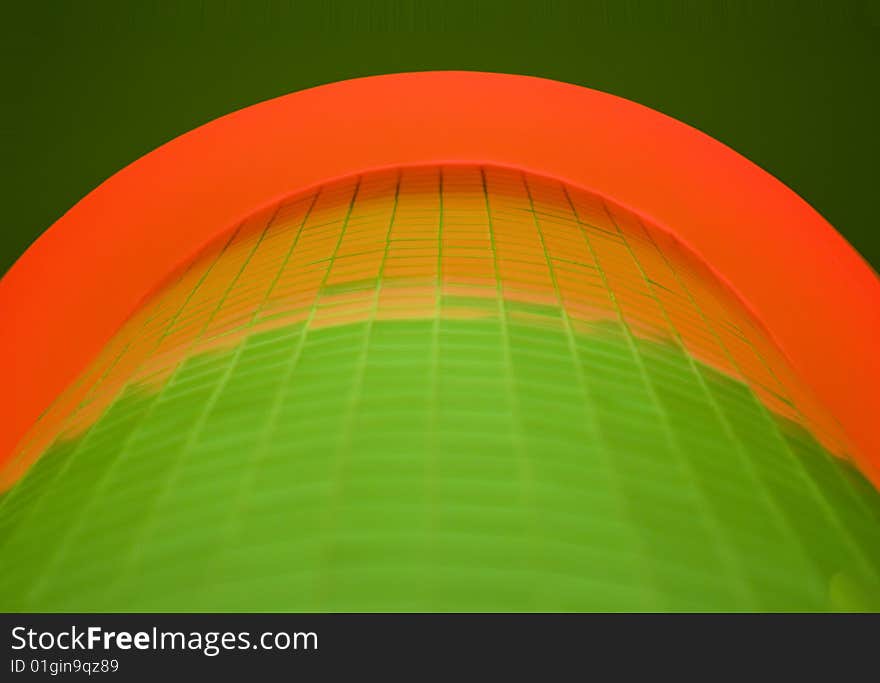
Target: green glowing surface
[{"x": 441, "y": 465}]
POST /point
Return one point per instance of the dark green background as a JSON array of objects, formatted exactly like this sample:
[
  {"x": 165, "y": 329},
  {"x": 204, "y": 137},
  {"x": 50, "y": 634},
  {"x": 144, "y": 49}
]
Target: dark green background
[{"x": 91, "y": 86}]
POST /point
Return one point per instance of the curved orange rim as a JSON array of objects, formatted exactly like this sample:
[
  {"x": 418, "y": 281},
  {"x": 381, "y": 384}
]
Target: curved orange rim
[{"x": 81, "y": 279}]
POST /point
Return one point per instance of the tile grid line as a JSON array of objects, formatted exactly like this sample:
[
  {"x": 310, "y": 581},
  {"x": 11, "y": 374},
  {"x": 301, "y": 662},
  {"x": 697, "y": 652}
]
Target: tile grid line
[
  {"x": 651, "y": 578},
  {"x": 524, "y": 466},
  {"x": 820, "y": 494},
  {"x": 430, "y": 470},
  {"x": 716, "y": 531},
  {"x": 718, "y": 528},
  {"x": 374, "y": 312},
  {"x": 596, "y": 427},
  {"x": 257, "y": 451},
  {"x": 293, "y": 360},
  {"x": 360, "y": 366},
  {"x": 189, "y": 443},
  {"x": 313, "y": 310},
  {"x": 668, "y": 430}
]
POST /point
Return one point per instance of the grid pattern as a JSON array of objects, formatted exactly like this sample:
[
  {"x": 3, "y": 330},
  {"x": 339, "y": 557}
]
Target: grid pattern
[{"x": 440, "y": 388}]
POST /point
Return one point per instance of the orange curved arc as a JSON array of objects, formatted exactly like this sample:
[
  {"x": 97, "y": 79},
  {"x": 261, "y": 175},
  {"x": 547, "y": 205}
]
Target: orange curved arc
[{"x": 76, "y": 285}]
